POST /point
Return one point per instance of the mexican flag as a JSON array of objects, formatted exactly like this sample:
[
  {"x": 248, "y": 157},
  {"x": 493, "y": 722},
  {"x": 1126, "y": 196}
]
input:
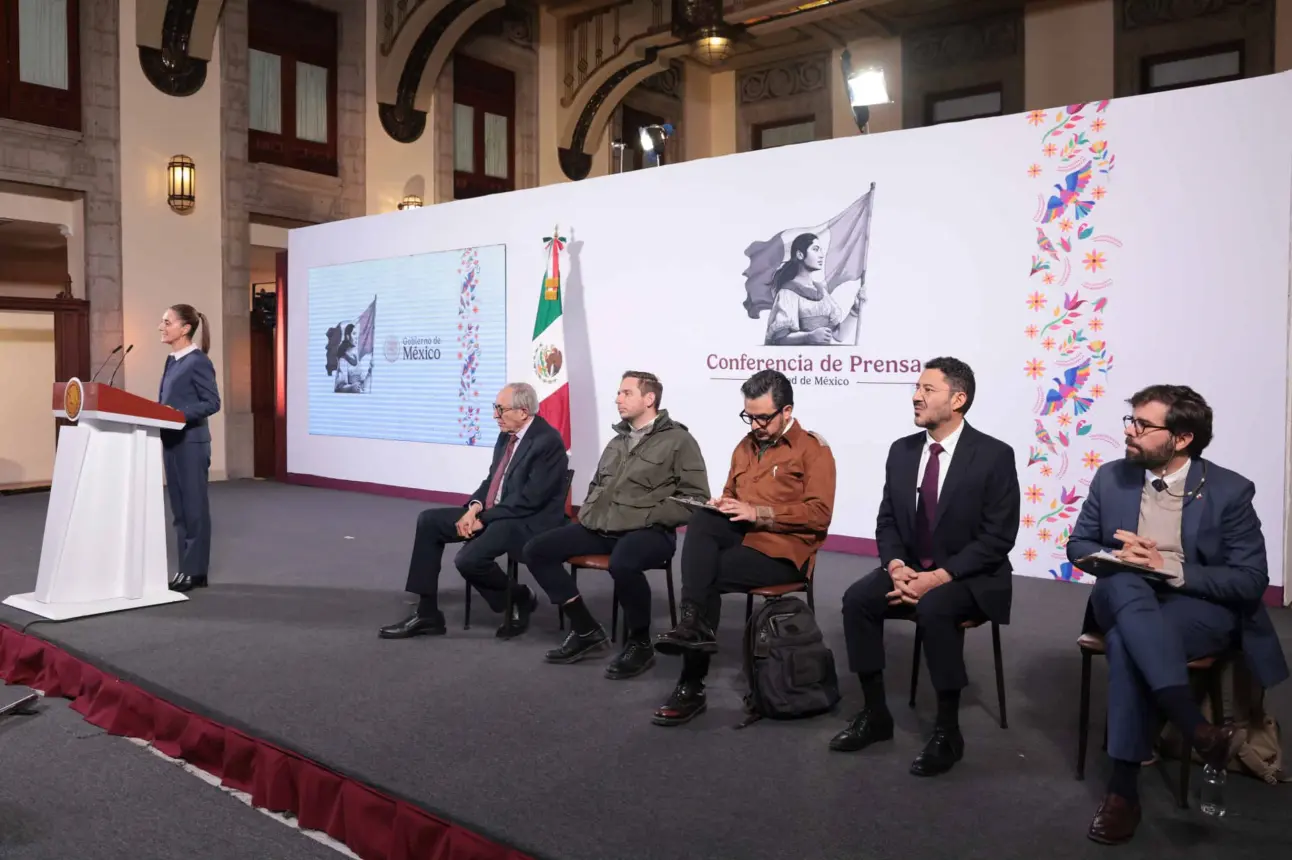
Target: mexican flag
[{"x": 548, "y": 374}]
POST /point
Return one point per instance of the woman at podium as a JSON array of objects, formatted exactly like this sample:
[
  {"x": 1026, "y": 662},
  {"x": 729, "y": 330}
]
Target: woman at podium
[{"x": 188, "y": 384}]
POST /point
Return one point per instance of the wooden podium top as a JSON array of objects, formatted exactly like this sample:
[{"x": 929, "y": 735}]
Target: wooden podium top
[{"x": 74, "y": 400}]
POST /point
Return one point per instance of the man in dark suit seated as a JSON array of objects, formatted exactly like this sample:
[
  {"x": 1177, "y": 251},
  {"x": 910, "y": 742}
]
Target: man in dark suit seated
[
  {"x": 1150, "y": 509},
  {"x": 523, "y": 495},
  {"x": 947, "y": 522}
]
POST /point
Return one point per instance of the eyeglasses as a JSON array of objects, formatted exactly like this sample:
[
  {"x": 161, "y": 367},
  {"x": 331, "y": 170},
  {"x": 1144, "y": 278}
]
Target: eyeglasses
[
  {"x": 1139, "y": 425},
  {"x": 760, "y": 420},
  {"x": 499, "y": 409}
]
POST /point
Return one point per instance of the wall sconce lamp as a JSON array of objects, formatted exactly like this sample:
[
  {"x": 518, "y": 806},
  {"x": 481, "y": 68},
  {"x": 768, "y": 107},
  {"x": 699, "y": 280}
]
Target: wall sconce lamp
[
  {"x": 181, "y": 185},
  {"x": 866, "y": 87},
  {"x": 412, "y": 201}
]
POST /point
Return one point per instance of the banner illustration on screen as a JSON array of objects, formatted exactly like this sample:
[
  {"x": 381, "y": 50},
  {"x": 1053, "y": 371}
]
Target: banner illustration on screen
[
  {"x": 349, "y": 353},
  {"x": 812, "y": 280},
  {"x": 439, "y": 345}
]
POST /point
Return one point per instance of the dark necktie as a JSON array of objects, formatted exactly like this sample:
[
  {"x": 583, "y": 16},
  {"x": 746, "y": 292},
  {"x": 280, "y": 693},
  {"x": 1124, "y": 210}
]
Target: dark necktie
[
  {"x": 496, "y": 481},
  {"x": 927, "y": 509},
  {"x": 161, "y": 389}
]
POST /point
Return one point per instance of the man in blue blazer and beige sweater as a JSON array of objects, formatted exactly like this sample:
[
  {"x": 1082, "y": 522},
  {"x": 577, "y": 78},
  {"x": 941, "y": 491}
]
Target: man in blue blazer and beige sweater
[{"x": 1163, "y": 507}]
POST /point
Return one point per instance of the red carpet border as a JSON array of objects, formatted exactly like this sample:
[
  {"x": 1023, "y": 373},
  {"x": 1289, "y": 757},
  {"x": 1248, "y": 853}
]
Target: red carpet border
[{"x": 372, "y": 825}]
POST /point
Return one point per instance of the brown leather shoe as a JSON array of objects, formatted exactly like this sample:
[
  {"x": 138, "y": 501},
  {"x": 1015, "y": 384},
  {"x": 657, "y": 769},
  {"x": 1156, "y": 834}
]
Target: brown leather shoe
[
  {"x": 1218, "y": 744},
  {"x": 1115, "y": 822}
]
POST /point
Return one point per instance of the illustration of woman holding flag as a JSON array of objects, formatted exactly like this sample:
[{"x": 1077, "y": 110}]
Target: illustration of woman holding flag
[{"x": 803, "y": 310}]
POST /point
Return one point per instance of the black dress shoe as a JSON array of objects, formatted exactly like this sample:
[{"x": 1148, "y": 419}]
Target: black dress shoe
[
  {"x": 868, "y": 727},
  {"x": 415, "y": 625},
  {"x": 577, "y": 646},
  {"x": 184, "y": 582},
  {"x": 1115, "y": 822},
  {"x": 692, "y": 633},
  {"x": 637, "y": 657},
  {"x": 944, "y": 749},
  {"x": 521, "y": 608},
  {"x": 686, "y": 703}
]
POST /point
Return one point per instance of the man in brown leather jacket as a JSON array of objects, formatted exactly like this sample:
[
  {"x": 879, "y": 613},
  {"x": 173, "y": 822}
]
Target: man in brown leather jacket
[
  {"x": 631, "y": 512},
  {"x": 772, "y": 518}
]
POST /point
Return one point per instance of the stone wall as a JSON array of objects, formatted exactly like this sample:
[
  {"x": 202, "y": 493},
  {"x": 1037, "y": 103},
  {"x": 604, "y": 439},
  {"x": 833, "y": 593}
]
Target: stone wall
[
  {"x": 88, "y": 162},
  {"x": 252, "y": 190}
]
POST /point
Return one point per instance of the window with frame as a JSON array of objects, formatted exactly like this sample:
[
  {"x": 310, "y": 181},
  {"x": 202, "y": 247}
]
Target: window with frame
[
  {"x": 1212, "y": 64},
  {"x": 292, "y": 98},
  {"x": 961, "y": 105},
  {"x": 484, "y": 128},
  {"x": 40, "y": 70},
  {"x": 784, "y": 133}
]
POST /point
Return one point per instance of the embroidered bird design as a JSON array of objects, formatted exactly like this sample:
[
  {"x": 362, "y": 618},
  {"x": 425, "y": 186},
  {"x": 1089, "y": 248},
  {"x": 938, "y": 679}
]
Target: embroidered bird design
[
  {"x": 1069, "y": 194},
  {"x": 1074, "y": 379}
]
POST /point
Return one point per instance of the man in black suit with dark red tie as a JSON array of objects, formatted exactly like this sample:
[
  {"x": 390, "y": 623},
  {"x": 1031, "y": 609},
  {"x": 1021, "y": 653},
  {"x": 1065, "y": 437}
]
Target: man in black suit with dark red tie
[
  {"x": 523, "y": 496},
  {"x": 946, "y": 525}
]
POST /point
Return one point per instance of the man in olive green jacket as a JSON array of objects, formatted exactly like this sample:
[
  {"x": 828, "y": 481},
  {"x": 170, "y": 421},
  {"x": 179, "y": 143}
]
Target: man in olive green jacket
[{"x": 631, "y": 513}]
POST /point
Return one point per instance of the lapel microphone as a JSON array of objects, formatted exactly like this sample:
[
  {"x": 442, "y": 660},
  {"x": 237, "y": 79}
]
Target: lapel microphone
[{"x": 1188, "y": 495}]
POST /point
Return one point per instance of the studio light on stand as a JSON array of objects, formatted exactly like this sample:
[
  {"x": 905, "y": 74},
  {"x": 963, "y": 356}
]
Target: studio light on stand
[
  {"x": 653, "y": 139},
  {"x": 866, "y": 87}
]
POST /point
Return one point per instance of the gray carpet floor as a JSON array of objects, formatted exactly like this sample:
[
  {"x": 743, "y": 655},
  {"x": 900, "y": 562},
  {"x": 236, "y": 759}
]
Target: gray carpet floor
[
  {"x": 70, "y": 790},
  {"x": 562, "y": 763}
]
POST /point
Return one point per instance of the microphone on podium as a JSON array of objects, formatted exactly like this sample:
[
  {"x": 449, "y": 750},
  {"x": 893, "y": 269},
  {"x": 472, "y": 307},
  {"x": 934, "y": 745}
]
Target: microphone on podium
[
  {"x": 105, "y": 362},
  {"x": 120, "y": 364}
]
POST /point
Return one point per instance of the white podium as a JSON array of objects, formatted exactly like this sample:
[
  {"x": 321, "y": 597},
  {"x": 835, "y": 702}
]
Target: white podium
[{"x": 104, "y": 548}]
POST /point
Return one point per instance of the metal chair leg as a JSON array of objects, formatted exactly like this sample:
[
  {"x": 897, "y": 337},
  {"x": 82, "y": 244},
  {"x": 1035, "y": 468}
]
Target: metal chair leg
[
  {"x": 466, "y": 613},
  {"x": 672, "y": 603},
  {"x": 1000, "y": 673},
  {"x": 915, "y": 664},
  {"x": 1083, "y": 716},
  {"x": 614, "y": 616}
]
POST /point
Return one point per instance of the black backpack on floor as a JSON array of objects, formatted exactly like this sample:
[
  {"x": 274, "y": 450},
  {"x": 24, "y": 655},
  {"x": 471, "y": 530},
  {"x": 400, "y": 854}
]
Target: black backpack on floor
[{"x": 788, "y": 670}]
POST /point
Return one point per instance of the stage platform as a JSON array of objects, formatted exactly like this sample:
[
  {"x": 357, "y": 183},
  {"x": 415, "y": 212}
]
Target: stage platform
[{"x": 558, "y": 762}]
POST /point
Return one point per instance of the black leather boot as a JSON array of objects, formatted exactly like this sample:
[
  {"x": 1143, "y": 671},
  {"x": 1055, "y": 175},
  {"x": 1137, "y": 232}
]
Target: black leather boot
[
  {"x": 637, "y": 657},
  {"x": 692, "y": 633}
]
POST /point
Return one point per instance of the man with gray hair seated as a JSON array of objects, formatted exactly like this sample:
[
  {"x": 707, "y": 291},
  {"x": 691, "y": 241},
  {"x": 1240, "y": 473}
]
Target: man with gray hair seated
[{"x": 522, "y": 496}]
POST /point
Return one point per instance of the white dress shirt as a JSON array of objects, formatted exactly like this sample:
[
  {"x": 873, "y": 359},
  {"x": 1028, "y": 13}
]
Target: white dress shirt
[
  {"x": 180, "y": 353},
  {"x": 944, "y": 459},
  {"x": 1172, "y": 479},
  {"x": 520, "y": 434}
]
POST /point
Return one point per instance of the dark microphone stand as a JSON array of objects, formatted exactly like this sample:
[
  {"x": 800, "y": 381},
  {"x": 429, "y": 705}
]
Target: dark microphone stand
[
  {"x": 120, "y": 364},
  {"x": 105, "y": 362}
]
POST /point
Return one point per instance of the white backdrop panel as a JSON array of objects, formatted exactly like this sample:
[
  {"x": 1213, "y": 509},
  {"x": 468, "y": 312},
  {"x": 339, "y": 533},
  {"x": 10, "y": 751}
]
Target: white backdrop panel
[{"x": 1168, "y": 263}]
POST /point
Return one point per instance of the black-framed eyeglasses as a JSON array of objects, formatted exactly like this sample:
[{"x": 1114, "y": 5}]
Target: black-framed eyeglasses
[
  {"x": 499, "y": 409},
  {"x": 760, "y": 420},
  {"x": 1140, "y": 425}
]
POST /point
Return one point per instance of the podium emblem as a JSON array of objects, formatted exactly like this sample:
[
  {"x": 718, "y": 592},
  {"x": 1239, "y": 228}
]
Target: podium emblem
[{"x": 73, "y": 397}]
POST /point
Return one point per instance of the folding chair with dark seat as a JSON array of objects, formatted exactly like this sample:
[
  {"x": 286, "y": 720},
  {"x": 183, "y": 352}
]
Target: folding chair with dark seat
[
  {"x": 995, "y": 647},
  {"x": 769, "y": 592},
  {"x": 513, "y": 568},
  {"x": 602, "y": 562},
  {"x": 1212, "y": 669}
]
